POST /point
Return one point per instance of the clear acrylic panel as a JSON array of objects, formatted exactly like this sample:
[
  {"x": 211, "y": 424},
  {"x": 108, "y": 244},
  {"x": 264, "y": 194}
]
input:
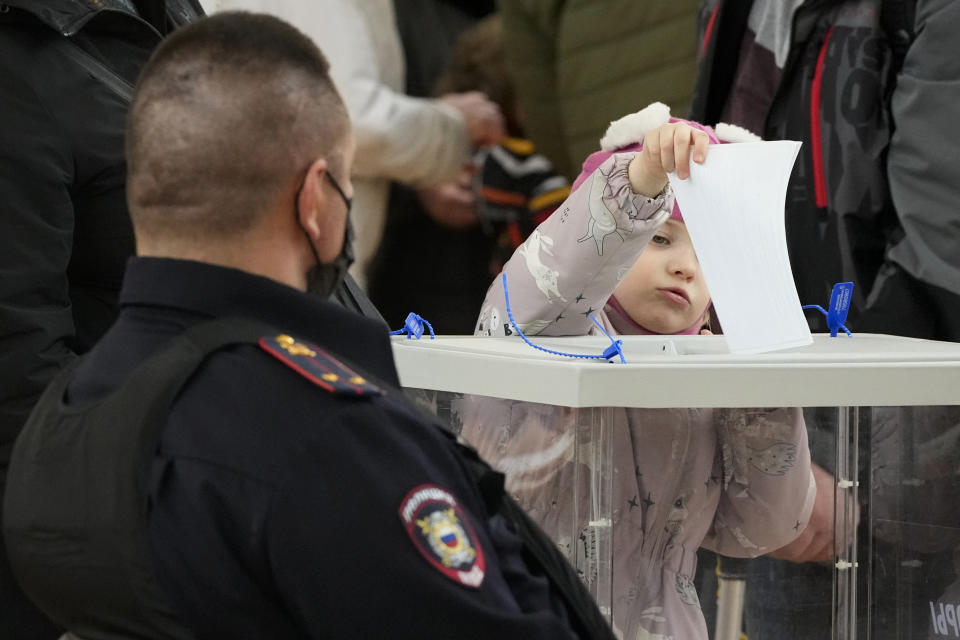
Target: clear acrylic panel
[
  {"x": 579, "y": 472},
  {"x": 913, "y": 510},
  {"x": 846, "y": 519},
  {"x": 883, "y": 426},
  {"x": 558, "y": 464}
]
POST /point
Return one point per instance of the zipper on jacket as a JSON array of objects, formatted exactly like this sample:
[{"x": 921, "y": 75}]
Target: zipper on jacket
[
  {"x": 816, "y": 143},
  {"x": 709, "y": 30},
  {"x": 793, "y": 64}
]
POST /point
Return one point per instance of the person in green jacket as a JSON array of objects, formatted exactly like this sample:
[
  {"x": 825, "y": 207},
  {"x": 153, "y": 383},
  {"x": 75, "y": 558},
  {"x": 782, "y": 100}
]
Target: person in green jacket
[{"x": 579, "y": 64}]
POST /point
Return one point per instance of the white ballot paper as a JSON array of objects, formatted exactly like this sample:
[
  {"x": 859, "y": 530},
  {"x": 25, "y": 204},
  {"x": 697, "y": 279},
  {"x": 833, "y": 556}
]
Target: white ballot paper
[{"x": 733, "y": 206}]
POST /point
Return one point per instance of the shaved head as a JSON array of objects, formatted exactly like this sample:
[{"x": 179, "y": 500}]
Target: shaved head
[{"x": 228, "y": 115}]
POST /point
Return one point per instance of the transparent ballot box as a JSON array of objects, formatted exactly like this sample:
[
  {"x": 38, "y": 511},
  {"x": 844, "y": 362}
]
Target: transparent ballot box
[{"x": 628, "y": 466}]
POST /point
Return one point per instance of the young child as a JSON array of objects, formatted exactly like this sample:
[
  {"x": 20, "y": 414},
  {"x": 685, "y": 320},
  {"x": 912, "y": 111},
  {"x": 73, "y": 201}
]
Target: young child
[{"x": 736, "y": 481}]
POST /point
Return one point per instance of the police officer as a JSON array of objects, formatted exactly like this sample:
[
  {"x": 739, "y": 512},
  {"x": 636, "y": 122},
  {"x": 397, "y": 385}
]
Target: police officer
[{"x": 234, "y": 459}]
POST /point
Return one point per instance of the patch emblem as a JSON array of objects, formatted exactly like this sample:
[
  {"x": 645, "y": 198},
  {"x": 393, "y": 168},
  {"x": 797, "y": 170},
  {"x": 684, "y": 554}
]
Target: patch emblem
[
  {"x": 441, "y": 532},
  {"x": 318, "y": 366}
]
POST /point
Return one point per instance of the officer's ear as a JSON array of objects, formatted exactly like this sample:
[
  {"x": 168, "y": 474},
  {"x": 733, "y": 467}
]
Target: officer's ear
[
  {"x": 320, "y": 212},
  {"x": 310, "y": 199}
]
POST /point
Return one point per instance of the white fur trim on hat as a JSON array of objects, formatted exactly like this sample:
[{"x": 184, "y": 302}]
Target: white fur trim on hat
[
  {"x": 732, "y": 133},
  {"x": 630, "y": 129}
]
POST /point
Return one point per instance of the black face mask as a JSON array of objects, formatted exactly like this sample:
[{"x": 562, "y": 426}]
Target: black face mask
[{"x": 324, "y": 278}]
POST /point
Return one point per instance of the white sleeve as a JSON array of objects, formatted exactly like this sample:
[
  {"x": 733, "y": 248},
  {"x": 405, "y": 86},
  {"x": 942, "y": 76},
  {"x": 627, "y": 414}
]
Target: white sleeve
[{"x": 411, "y": 140}]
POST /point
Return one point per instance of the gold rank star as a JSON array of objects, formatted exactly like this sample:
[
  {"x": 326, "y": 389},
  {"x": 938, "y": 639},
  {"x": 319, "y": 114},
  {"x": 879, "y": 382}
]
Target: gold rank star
[{"x": 293, "y": 347}]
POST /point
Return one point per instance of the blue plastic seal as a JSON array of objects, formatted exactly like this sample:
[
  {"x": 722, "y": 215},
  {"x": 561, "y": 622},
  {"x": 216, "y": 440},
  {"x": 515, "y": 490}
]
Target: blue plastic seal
[
  {"x": 840, "y": 299},
  {"x": 839, "y": 307},
  {"x": 413, "y": 327},
  {"x": 615, "y": 350}
]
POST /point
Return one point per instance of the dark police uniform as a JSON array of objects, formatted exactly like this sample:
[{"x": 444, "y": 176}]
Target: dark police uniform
[{"x": 289, "y": 494}]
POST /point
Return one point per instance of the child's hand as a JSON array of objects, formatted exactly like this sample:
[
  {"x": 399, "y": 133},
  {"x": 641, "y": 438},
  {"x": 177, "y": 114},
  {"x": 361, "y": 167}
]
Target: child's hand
[
  {"x": 816, "y": 542},
  {"x": 666, "y": 149}
]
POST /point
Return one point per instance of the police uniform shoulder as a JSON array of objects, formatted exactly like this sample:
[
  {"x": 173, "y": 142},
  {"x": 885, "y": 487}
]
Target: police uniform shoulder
[{"x": 318, "y": 366}]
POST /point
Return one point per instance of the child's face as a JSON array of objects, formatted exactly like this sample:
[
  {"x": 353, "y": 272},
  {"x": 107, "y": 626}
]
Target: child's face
[{"x": 664, "y": 291}]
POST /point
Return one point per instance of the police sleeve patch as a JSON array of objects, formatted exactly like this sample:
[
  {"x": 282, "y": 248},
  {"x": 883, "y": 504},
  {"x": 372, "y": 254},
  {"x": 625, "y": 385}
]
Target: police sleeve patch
[
  {"x": 442, "y": 534},
  {"x": 318, "y": 366}
]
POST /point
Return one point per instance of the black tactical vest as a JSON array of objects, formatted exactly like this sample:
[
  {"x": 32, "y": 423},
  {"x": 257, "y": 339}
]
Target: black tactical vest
[{"x": 77, "y": 500}]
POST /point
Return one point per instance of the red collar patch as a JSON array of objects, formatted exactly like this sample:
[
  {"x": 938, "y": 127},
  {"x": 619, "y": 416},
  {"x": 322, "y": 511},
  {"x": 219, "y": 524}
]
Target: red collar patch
[
  {"x": 318, "y": 366},
  {"x": 442, "y": 534}
]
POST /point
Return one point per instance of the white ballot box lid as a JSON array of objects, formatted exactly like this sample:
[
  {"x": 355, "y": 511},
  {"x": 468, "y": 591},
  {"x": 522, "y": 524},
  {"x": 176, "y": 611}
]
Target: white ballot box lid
[{"x": 687, "y": 371}]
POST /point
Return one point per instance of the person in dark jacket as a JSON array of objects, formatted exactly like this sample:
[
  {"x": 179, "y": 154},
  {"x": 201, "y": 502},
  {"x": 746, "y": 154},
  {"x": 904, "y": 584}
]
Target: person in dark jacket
[
  {"x": 64, "y": 228},
  {"x": 871, "y": 88},
  {"x": 234, "y": 458}
]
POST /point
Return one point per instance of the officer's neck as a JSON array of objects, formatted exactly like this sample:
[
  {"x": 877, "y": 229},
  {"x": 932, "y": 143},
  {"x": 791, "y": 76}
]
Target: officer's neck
[{"x": 264, "y": 252}]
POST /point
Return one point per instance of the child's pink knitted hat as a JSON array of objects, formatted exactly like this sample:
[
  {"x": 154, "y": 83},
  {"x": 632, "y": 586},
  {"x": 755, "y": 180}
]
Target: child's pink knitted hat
[{"x": 627, "y": 133}]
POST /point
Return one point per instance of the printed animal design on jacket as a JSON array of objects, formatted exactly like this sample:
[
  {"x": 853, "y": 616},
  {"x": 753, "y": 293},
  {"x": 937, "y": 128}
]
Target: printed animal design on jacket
[
  {"x": 489, "y": 322},
  {"x": 678, "y": 514},
  {"x": 547, "y": 279},
  {"x": 775, "y": 460},
  {"x": 652, "y": 614},
  {"x": 533, "y": 327},
  {"x": 643, "y": 634},
  {"x": 687, "y": 590},
  {"x": 602, "y": 222}
]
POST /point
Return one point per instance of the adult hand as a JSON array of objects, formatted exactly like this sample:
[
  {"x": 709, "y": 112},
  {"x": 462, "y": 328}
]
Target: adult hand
[
  {"x": 485, "y": 124},
  {"x": 666, "y": 149},
  {"x": 815, "y": 543},
  {"x": 452, "y": 204}
]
